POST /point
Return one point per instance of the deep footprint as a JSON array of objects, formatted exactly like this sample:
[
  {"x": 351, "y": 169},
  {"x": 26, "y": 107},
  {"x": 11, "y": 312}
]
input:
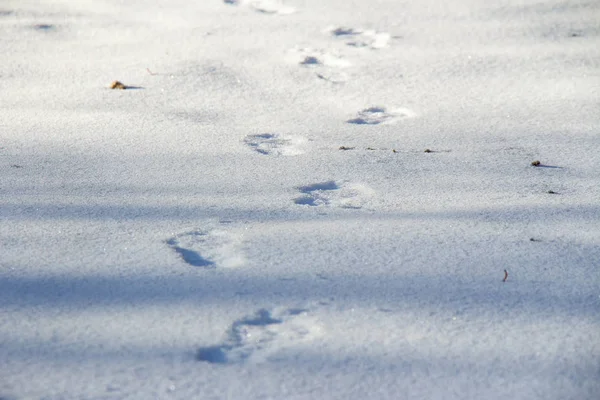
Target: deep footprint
[
  {"x": 380, "y": 115},
  {"x": 331, "y": 193},
  {"x": 210, "y": 248},
  {"x": 309, "y": 57},
  {"x": 326, "y": 65},
  {"x": 362, "y": 38},
  {"x": 190, "y": 256},
  {"x": 259, "y": 337},
  {"x": 276, "y": 144}
]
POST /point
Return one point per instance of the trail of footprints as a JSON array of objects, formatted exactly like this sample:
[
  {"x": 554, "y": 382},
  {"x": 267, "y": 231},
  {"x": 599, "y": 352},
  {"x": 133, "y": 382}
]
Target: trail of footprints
[
  {"x": 329, "y": 65},
  {"x": 221, "y": 246},
  {"x": 270, "y": 333},
  {"x": 216, "y": 246}
]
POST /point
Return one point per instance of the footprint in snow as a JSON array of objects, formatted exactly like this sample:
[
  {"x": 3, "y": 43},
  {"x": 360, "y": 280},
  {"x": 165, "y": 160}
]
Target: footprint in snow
[
  {"x": 263, "y": 336},
  {"x": 276, "y": 144},
  {"x": 327, "y": 65},
  {"x": 209, "y": 248},
  {"x": 380, "y": 115},
  {"x": 361, "y": 38},
  {"x": 264, "y": 6},
  {"x": 333, "y": 194},
  {"x": 309, "y": 57}
]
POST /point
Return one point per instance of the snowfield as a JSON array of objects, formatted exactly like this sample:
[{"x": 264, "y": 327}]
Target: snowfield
[{"x": 302, "y": 199}]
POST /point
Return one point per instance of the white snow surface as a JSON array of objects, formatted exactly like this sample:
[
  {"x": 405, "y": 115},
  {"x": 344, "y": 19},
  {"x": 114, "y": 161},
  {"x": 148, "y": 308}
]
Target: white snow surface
[{"x": 256, "y": 216}]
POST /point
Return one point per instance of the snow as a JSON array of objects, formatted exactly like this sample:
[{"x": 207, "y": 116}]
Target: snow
[{"x": 257, "y": 217}]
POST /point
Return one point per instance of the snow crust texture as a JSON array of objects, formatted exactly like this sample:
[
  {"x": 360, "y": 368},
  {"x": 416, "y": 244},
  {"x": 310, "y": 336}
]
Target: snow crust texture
[{"x": 299, "y": 199}]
